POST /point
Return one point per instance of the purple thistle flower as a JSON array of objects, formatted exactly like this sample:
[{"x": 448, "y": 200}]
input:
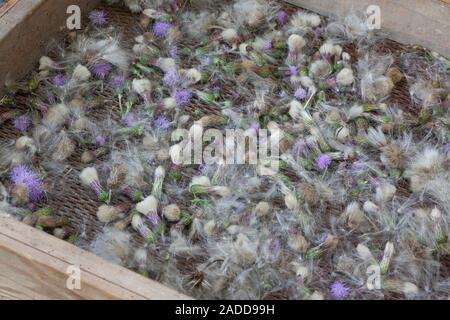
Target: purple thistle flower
[
  {"x": 98, "y": 18},
  {"x": 118, "y": 81},
  {"x": 267, "y": 45},
  {"x": 162, "y": 123},
  {"x": 100, "y": 141},
  {"x": 161, "y": 28},
  {"x": 102, "y": 70},
  {"x": 183, "y": 97},
  {"x": 300, "y": 94},
  {"x": 323, "y": 161},
  {"x": 22, "y": 175},
  {"x": 282, "y": 17},
  {"x": 293, "y": 71},
  {"x": 59, "y": 80},
  {"x": 171, "y": 78},
  {"x": 130, "y": 120},
  {"x": 22, "y": 123},
  {"x": 338, "y": 290}
]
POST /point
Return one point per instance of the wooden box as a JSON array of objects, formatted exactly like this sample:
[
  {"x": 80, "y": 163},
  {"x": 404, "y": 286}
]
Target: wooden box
[{"x": 34, "y": 265}]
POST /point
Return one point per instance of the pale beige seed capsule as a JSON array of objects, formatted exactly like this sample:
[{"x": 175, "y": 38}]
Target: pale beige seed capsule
[
  {"x": 262, "y": 209},
  {"x": 81, "y": 73},
  {"x": 298, "y": 243},
  {"x": 296, "y": 43},
  {"x": 172, "y": 213},
  {"x": 291, "y": 201},
  {"x": 210, "y": 228},
  {"x": 107, "y": 214}
]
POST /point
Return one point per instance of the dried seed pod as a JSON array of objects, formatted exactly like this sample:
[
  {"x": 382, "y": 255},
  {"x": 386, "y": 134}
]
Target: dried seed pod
[
  {"x": 107, "y": 214},
  {"x": 30, "y": 219},
  {"x": 46, "y": 63},
  {"x": 89, "y": 156},
  {"x": 19, "y": 195},
  {"x": 52, "y": 222},
  {"x": 81, "y": 73},
  {"x": 144, "y": 22},
  {"x": 291, "y": 201},
  {"x": 172, "y": 213},
  {"x": 246, "y": 250},
  {"x": 160, "y": 174},
  {"x": 387, "y": 256},
  {"x": 61, "y": 233},
  {"x": 298, "y": 243},
  {"x": 148, "y": 206},
  {"x": 354, "y": 215},
  {"x": 385, "y": 192},
  {"x": 117, "y": 176},
  {"x": 122, "y": 224},
  {"x": 296, "y": 43},
  {"x": 230, "y": 35},
  {"x": 56, "y": 115},
  {"x": 141, "y": 86},
  {"x": 395, "y": 74},
  {"x": 210, "y": 228},
  {"x": 309, "y": 194},
  {"x": 370, "y": 207},
  {"x": 211, "y": 121},
  {"x": 262, "y": 209},
  {"x": 64, "y": 148},
  {"x": 26, "y": 144},
  {"x": 345, "y": 77}
]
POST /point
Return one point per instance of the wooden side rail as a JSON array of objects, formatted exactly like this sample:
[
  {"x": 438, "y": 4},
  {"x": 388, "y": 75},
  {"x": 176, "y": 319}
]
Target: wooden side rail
[
  {"x": 423, "y": 22},
  {"x": 34, "y": 265}
]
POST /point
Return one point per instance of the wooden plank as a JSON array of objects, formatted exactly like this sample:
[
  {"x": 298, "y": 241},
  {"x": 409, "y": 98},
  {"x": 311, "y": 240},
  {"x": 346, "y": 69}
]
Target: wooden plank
[
  {"x": 26, "y": 30},
  {"x": 423, "y": 22},
  {"x": 34, "y": 265}
]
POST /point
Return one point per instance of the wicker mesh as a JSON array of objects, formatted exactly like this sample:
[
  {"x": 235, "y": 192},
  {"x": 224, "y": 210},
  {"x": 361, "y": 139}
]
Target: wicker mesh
[{"x": 70, "y": 199}]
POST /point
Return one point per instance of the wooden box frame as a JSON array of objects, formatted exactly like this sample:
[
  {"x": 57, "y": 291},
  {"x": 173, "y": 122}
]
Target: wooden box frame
[{"x": 33, "y": 264}]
